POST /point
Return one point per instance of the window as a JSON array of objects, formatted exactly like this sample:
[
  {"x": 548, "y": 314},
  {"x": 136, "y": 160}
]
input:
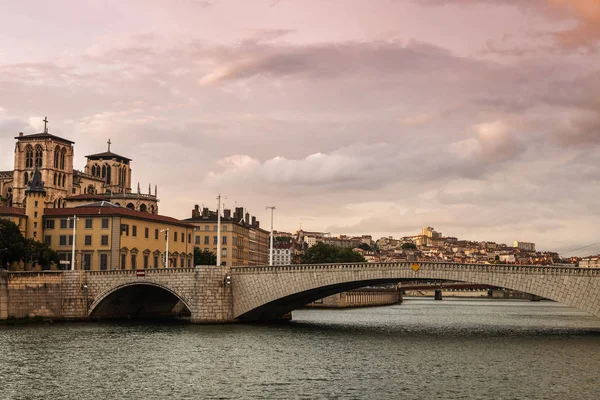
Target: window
[
  {"x": 88, "y": 240},
  {"x": 123, "y": 259},
  {"x": 62, "y": 240},
  {"x": 70, "y": 240},
  {"x": 48, "y": 240},
  {"x": 189, "y": 238},
  {"x": 175, "y": 236},
  {"x": 182, "y": 262},
  {"x": 104, "y": 240},
  {"x": 146, "y": 232},
  {"x": 145, "y": 261},
  {"x": 49, "y": 224},
  {"x": 133, "y": 261},
  {"x": 28, "y": 157},
  {"x": 215, "y": 228},
  {"x": 35, "y": 234},
  {"x": 155, "y": 261},
  {"x": 206, "y": 239},
  {"x": 182, "y": 237},
  {"x": 125, "y": 229},
  {"x": 56, "y": 158},
  {"x": 104, "y": 223},
  {"x": 224, "y": 239},
  {"x": 224, "y": 228},
  {"x": 103, "y": 261},
  {"x": 63, "y": 224},
  {"x": 35, "y": 203},
  {"x": 26, "y": 178},
  {"x": 156, "y": 234},
  {"x": 63, "y": 155},
  {"x": 224, "y": 252},
  {"x": 215, "y": 239},
  {"x": 35, "y": 214},
  {"x": 206, "y": 228},
  {"x": 38, "y": 156},
  {"x": 197, "y": 239},
  {"x": 133, "y": 230},
  {"x": 87, "y": 261},
  {"x": 88, "y": 223},
  {"x": 189, "y": 263},
  {"x": 35, "y": 224}
]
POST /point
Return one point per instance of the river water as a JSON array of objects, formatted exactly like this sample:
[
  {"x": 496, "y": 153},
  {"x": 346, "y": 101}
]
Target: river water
[{"x": 422, "y": 349}]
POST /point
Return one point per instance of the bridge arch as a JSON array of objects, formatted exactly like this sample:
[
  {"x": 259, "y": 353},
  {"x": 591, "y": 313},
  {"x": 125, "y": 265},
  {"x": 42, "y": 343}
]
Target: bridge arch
[
  {"x": 283, "y": 289},
  {"x": 139, "y": 300}
]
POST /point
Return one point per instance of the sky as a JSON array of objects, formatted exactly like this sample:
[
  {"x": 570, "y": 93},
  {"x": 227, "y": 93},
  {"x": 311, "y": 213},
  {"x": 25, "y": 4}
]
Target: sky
[{"x": 480, "y": 118}]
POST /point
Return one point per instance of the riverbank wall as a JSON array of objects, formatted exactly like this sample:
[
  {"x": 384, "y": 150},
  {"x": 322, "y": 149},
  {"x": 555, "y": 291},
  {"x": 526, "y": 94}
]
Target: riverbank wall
[{"x": 359, "y": 298}]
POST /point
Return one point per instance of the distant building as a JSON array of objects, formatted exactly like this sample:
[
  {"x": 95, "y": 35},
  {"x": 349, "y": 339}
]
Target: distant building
[
  {"x": 590, "y": 262},
  {"x": 527, "y": 246},
  {"x": 282, "y": 255}
]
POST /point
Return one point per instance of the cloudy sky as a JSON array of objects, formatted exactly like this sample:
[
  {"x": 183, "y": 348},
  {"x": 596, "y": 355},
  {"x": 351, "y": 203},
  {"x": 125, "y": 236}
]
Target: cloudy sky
[{"x": 478, "y": 117}]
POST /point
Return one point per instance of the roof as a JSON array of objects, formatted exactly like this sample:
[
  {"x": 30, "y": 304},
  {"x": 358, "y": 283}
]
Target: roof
[
  {"x": 45, "y": 135},
  {"x": 113, "y": 211},
  {"x": 36, "y": 184},
  {"x": 108, "y": 155},
  {"x": 93, "y": 197},
  {"x": 101, "y": 203},
  {"x": 12, "y": 211}
]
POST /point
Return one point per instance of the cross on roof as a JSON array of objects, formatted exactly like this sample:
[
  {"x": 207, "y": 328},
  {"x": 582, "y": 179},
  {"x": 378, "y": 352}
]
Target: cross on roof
[
  {"x": 108, "y": 145},
  {"x": 45, "y": 124}
]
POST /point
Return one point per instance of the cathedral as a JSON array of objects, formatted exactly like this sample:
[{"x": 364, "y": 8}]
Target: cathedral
[{"x": 106, "y": 176}]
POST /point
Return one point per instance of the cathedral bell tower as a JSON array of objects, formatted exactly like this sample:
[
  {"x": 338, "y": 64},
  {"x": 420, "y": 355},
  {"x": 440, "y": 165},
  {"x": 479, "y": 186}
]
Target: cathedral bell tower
[{"x": 35, "y": 197}]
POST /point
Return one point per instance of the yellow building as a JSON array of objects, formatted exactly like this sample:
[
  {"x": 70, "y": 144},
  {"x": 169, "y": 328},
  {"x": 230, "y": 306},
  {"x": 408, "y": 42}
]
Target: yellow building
[
  {"x": 16, "y": 215},
  {"x": 113, "y": 237},
  {"x": 243, "y": 242}
]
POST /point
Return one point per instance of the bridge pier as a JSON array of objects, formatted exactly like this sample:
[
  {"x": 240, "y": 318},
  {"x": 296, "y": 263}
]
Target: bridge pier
[{"x": 438, "y": 294}]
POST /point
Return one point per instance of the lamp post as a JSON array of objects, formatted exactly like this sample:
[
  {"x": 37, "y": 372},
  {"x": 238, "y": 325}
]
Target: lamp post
[
  {"x": 272, "y": 208},
  {"x": 74, "y": 219},
  {"x": 219, "y": 230},
  {"x": 167, "y": 247}
]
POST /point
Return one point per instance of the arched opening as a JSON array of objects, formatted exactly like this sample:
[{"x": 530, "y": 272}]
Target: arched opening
[
  {"x": 108, "y": 174},
  {"x": 152, "y": 210},
  {"x": 63, "y": 180},
  {"x": 38, "y": 156},
  {"x": 26, "y": 178},
  {"x": 104, "y": 171},
  {"x": 143, "y": 208},
  {"x": 94, "y": 170},
  {"x": 140, "y": 301},
  {"x": 131, "y": 206},
  {"x": 55, "y": 179},
  {"x": 28, "y": 157},
  {"x": 56, "y": 156},
  {"x": 63, "y": 156},
  {"x": 91, "y": 189}
]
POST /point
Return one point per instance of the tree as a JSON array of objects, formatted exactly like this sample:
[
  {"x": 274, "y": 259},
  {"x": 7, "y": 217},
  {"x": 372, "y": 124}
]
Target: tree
[
  {"x": 20, "y": 249},
  {"x": 409, "y": 246},
  {"x": 12, "y": 243},
  {"x": 365, "y": 247},
  {"x": 204, "y": 257},
  {"x": 40, "y": 253},
  {"x": 322, "y": 253}
]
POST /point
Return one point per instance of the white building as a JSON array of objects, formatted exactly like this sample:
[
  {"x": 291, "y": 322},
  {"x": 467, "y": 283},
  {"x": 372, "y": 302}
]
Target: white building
[
  {"x": 527, "y": 246},
  {"x": 282, "y": 256},
  {"x": 590, "y": 262}
]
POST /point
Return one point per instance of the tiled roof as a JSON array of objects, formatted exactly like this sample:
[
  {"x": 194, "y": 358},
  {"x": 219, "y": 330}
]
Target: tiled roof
[
  {"x": 44, "y": 136},
  {"x": 12, "y": 211},
  {"x": 107, "y": 154},
  {"x": 114, "y": 211},
  {"x": 92, "y": 197}
]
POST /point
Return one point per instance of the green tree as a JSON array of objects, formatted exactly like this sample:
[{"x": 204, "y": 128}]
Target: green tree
[
  {"x": 365, "y": 247},
  {"x": 40, "y": 253},
  {"x": 13, "y": 246},
  {"x": 409, "y": 246},
  {"x": 322, "y": 253},
  {"x": 204, "y": 257}
]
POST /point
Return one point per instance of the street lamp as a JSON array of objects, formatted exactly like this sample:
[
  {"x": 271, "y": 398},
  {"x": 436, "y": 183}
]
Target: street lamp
[
  {"x": 272, "y": 208},
  {"x": 167, "y": 250},
  {"x": 74, "y": 219}
]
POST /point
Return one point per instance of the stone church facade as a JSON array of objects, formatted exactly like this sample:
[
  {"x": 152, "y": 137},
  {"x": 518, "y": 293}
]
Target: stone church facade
[{"x": 106, "y": 176}]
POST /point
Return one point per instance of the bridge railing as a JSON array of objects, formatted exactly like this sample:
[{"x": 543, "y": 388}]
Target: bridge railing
[
  {"x": 425, "y": 266},
  {"x": 149, "y": 271}
]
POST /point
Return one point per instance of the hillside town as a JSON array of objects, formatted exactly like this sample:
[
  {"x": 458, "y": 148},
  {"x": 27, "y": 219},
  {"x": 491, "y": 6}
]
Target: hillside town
[{"x": 429, "y": 245}]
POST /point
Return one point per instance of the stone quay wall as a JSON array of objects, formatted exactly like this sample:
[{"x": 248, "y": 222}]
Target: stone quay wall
[{"x": 359, "y": 298}]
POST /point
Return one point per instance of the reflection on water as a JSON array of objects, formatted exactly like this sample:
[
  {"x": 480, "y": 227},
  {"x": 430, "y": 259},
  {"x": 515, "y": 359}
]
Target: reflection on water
[{"x": 422, "y": 349}]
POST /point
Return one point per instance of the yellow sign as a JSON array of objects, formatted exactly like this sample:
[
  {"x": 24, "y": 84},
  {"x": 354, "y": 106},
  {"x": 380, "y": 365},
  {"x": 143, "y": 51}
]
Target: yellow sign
[{"x": 415, "y": 267}]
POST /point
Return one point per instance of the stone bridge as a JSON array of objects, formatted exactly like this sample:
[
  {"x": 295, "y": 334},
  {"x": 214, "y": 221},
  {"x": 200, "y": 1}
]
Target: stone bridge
[{"x": 209, "y": 294}]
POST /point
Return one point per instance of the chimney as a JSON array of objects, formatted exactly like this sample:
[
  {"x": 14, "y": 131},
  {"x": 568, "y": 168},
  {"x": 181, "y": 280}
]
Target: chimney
[
  {"x": 205, "y": 212},
  {"x": 20, "y": 134},
  {"x": 196, "y": 211},
  {"x": 227, "y": 213},
  {"x": 253, "y": 220},
  {"x": 248, "y": 218},
  {"x": 239, "y": 213}
]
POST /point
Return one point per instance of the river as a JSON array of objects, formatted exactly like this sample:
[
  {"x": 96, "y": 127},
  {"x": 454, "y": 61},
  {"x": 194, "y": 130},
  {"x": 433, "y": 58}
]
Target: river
[{"x": 422, "y": 349}]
